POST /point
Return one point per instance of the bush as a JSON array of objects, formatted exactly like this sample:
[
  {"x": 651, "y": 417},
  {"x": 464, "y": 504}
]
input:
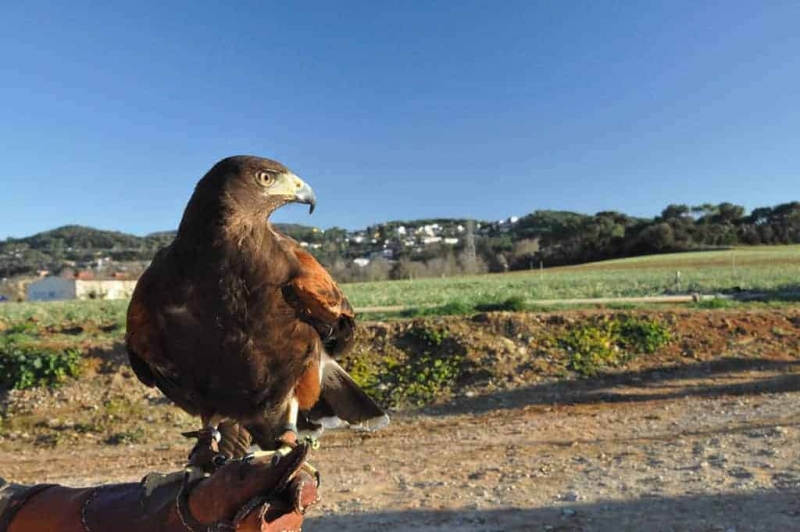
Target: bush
[
  {"x": 24, "y": 366},
  {"x": 433, "y": 365},
  {"x": 429, "y": 373},
  {"x": 641, "y": 335},
  {"x": 609, "y": 342},
  {"x": 512, "y": 304},
  {"x": 591, "y": 347}
]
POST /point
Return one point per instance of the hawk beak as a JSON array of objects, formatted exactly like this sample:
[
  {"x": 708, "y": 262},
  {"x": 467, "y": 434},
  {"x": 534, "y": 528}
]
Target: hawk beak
[{"x": 305, "y": 194}]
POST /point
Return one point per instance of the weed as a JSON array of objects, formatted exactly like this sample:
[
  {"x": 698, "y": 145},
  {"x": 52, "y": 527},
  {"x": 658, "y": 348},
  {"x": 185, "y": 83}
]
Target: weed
[
  {"x": 51, "y": 440},
  {"x": 27, "y": 328},
  {"x": 511, "y": 304},
  {"x": 120, "y": 407},
  {"x": 430, "y": 338},
  {"x": 126, "y": 437},
  {"x": 641, "y": 335},
  {"x": 715, "y": 303},
  {"x": 591, "y": 347},
  {"x": 453, "y": 308},
  {"x": 24, "y": 366},
  {"x": 432, "y": 365},
  {"x": 84, "y": 428},
  {"x": 607, "y": 342}
]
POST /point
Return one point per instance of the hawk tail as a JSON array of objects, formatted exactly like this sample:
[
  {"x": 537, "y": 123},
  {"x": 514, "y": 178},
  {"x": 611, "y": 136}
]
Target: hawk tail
[{"x": 343, "y": 403}]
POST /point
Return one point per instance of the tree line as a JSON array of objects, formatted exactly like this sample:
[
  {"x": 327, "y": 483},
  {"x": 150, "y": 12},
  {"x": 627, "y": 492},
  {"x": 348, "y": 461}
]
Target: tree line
[
  {"x": 549, "y": 238},
  {"x": 556, "y": 238}
]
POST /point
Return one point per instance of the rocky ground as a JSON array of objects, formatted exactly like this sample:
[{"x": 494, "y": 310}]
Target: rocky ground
[{"x": 703, "y": 441}]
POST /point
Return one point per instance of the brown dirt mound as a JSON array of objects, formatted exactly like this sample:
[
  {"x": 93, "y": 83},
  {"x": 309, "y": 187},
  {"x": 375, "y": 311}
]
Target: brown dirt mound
[{"x": 502, "y": 351}]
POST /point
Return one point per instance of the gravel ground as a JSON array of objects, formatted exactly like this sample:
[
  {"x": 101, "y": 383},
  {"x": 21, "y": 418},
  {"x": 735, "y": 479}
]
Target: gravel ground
[{"x": 709, "y": 447}]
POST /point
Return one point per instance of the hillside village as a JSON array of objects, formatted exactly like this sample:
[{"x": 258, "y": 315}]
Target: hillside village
[
  {"x": 92, "y": 255},
  {"x": 89, "y": 253},
  {"x": 426, "y": 248}
]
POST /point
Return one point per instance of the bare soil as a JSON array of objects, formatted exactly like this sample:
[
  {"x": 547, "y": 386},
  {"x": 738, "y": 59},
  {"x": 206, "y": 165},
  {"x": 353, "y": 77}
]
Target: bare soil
[{"x": 702, "y": 436}]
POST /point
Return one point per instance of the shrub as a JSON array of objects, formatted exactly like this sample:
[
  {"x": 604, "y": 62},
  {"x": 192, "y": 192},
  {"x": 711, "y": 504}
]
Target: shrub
[
  {"x": 607, "y": 342},
  {"x": 641, "y": 335},
  {"x": 433, "y": 364},
  {"x": 511, "y": 304},
  {"x": 24, "y": 366},
  {"x": 591, "y": 347},
  {"x": 430, "y": 371}
]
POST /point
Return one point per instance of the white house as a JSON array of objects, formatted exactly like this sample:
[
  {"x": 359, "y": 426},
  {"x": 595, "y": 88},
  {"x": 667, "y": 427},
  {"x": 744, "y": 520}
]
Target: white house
[{"x": 55, "y": 288}]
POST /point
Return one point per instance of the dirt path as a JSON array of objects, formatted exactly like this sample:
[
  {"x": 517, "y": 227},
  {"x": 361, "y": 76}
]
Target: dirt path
[{"x": 709, "y": 447}]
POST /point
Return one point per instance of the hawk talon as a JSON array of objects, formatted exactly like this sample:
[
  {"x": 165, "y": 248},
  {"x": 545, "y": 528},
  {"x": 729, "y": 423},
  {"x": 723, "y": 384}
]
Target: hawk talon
[
  {"x": 220, "y": 460},
  {"x": 208, "y": 432}
]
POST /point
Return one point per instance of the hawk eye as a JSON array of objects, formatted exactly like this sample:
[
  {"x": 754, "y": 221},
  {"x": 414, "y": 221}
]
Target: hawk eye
[{"x": 265, "y": 179}]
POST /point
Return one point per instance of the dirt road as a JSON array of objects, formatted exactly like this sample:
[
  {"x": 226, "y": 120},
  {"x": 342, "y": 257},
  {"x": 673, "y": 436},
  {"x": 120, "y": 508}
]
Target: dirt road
[{"x": 709, "y": 447}]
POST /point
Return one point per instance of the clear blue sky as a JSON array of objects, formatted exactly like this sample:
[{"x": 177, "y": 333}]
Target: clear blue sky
[{"x": 110, "y": 111}]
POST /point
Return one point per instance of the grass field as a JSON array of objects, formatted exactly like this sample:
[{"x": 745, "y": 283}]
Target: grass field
[
  {"x": 759, "y": 268},
  {"x": 768, "y": 269}
]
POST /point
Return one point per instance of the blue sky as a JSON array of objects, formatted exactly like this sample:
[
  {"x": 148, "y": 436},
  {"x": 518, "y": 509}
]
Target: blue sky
[{"x": 111, "y": 111}]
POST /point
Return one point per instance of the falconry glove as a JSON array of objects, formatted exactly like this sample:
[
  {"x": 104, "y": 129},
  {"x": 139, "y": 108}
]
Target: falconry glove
[{"x": 261, "y": 495}]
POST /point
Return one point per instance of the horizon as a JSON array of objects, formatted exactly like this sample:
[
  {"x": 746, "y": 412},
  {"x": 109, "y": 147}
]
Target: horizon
[
  {"x": 407, "y": 220},
  {"x": 399, "y": 112}
]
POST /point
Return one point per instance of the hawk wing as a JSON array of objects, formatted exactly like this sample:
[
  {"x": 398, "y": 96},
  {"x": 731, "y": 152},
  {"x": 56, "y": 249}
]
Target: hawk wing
[
  {"x": 319, "y": 301},
  {"x": 144, "y": 339}
]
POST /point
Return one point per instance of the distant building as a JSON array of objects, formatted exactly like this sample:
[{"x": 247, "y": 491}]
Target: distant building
[{"x": 56, "y": 288}]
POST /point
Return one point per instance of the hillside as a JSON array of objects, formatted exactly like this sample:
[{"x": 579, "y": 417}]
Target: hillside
[{"x": 442, "y": 247}]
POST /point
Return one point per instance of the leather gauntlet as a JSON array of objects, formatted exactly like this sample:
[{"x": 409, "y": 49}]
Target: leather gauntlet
[{"x": 262, "y": 495}]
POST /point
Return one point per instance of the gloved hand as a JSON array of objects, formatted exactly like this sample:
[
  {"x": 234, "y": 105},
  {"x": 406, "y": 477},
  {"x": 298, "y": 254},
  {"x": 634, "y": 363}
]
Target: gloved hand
[{"x": 262, "y": 495}]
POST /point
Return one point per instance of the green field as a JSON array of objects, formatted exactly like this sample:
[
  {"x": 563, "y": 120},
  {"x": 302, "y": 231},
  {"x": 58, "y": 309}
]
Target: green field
[
  {"x": 768, "y": 269},
  {"x": 772, "y": 268}
]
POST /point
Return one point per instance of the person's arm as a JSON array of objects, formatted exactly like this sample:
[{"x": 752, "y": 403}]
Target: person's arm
[{"x": 262, "y": 495}]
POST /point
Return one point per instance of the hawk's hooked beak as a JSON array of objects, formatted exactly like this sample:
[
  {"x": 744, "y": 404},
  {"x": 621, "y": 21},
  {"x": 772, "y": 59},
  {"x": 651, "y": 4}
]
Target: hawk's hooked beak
[
  {"x": 305, "y": 194},
  {"x": 295, "y": 190}
]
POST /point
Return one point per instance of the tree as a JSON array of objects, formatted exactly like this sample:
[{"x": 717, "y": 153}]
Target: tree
[
  {"x": 673, "y": 211},
  {"x": 728, "y": 213}
]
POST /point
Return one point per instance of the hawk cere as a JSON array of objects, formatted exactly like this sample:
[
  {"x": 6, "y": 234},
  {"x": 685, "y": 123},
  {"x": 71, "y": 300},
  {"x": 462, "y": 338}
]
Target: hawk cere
[{"x": 238, "y": 324}]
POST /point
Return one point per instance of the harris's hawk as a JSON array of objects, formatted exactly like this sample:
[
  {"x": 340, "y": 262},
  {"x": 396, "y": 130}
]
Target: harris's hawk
[{"x": 238, "y": 324}]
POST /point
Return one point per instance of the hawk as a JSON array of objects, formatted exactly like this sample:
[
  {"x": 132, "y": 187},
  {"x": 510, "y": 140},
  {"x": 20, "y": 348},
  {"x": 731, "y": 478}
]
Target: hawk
[{"x": 238, "y": 324}]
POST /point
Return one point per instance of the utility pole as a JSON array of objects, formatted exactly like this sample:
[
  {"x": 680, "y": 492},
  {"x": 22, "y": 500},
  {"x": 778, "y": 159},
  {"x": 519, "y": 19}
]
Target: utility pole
[{"x": 470, "y": 254}]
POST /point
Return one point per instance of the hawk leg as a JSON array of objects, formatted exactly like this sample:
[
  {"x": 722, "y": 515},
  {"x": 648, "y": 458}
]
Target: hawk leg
[{"x": 205, "y": 456}]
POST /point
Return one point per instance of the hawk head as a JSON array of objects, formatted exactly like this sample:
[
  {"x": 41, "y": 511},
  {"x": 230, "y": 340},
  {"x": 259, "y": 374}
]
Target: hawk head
[{"x": 256, "y": 186}]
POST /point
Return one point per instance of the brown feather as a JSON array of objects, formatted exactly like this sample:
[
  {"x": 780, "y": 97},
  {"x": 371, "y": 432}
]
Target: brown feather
[
  {"x": 232, "y": 318},
  {"x": 307, "y": 390}
]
